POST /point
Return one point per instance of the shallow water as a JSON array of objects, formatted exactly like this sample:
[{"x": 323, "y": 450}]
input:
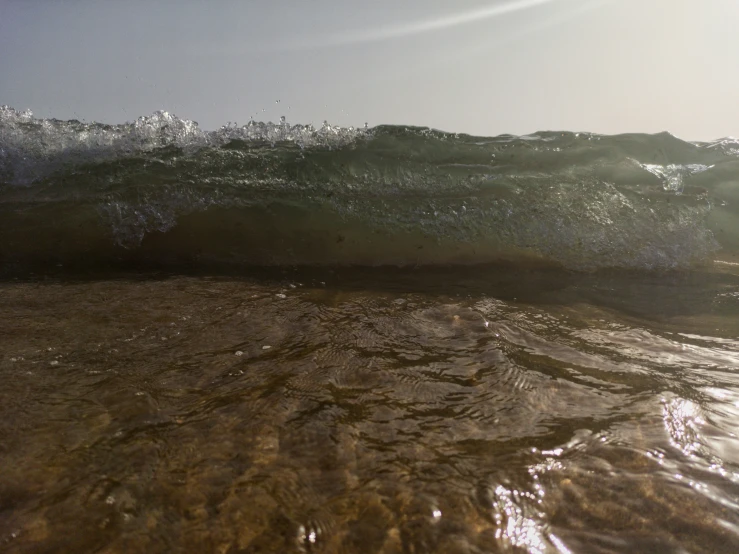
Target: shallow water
[{"x": 462, "y": 410}]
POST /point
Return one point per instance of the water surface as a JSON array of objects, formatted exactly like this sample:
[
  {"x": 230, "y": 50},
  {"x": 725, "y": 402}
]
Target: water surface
[{"x": 457, "y": 410}]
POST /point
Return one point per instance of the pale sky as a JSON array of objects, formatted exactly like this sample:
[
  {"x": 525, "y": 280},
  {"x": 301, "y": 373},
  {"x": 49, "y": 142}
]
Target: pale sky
[{"x": 482, "y": 67}]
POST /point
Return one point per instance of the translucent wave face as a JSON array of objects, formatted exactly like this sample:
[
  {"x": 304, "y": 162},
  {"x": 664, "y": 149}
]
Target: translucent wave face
[{"x": 387, "y": 195}]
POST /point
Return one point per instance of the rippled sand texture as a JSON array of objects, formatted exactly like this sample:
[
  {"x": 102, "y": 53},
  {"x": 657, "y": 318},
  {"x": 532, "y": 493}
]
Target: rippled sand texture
[{"x": 545, "y": 413}]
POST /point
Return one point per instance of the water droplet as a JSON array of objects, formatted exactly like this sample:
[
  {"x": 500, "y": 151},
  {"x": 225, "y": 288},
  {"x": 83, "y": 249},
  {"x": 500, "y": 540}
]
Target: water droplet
[{"x": 239, "y": 353}]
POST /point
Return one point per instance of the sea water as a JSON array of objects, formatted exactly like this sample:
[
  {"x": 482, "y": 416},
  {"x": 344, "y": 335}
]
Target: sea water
[{"x": 280, "y": 338}]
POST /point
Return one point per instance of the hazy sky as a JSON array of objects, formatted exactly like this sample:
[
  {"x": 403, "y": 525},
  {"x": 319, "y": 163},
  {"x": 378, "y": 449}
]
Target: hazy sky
[{"x": 483, "y": 67}]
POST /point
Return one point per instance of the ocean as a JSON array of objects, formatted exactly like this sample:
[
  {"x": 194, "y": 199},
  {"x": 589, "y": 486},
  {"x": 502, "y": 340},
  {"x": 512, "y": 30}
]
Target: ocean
[{"x": 295, "y": 339}]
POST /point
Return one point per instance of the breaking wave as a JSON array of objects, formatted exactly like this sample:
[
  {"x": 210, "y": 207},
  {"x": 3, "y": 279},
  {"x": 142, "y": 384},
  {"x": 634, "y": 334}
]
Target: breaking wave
[{"x": 163, "y": 191}]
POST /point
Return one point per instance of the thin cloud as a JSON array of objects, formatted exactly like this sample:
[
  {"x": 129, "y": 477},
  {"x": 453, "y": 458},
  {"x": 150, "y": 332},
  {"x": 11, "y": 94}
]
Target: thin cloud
[{"x": 419, "y": 27}]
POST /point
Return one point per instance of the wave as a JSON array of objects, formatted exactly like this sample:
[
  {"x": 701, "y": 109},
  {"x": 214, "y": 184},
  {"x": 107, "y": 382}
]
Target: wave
[{"x": 161, "y": 190}]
